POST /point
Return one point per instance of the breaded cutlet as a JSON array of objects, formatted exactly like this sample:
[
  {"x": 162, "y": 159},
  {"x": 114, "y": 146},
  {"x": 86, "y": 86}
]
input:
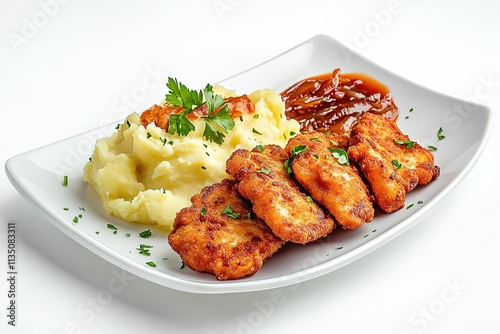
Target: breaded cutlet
[
  {"x": 276, "y": 197},
  {"x": 220, "y": 235}
]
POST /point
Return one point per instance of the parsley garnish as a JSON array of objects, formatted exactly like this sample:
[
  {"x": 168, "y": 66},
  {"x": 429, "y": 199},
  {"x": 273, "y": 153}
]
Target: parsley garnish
[
  {"x": 439, "y": 134},
  {"x": 396, "y": 164},
  {"x": 295, "y": 151},
  {"x": 221, "y": 119},
  {"x": 179, "y": 95},
  {"x": 151, "y": 264},
  {"x": 257, "y": 132},
  {"x": 340, "y": 155},
  {"x": 409, "y": 144},
  {"x": 334, "y": 142},
  {"x": 145, "y": 234},
  {"x": 111, "y": 227},
  {"x": 144, "y": 249},
  {"x": 65, "y": 180},
  {"x": 203, "y": 211},
  {"x": 163, "y": 140},
  {"x": 178, "y": 123},
  {"x": 263, "y": 170},
  {"x": 261, "y": 147},
  {"x": 228, "y": 211}
]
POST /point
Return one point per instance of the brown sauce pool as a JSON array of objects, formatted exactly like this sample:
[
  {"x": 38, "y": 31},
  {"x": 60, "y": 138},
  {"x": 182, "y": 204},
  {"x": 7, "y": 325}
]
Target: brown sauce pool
[{"x": 333, "y": 102}]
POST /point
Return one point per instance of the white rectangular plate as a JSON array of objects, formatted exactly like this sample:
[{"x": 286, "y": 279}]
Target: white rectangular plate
[{"x": 38, "y": 176}]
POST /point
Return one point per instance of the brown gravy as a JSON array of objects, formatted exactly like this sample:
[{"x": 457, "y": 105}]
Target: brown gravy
[{"x": 333, "y": 102}]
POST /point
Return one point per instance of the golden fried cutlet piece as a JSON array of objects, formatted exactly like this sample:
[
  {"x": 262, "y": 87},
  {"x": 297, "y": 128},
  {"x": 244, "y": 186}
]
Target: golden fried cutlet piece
[
  {"x": 389, "y": 160},
  {"x": 336, "y": 185},
  {"x": 219, "y": 234},
  {"x": 277, "y": 198}
]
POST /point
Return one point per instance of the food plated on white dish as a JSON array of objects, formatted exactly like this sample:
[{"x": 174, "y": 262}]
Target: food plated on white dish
[{"x": 51, "y": 177}]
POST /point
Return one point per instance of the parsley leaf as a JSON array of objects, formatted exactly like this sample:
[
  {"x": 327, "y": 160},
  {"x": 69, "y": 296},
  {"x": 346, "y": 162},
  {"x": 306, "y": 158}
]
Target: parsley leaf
[
  {"x": 145, "y": 234},
  {"x": 228, "y": 211},
  {"x": 144, "y": 249},
  {"x": 180, "y": 96},
  {"x": 295, "y": 151},
  {"x": 409, "y": 144},
  {"x": 261, "y": 147},
  {"x": 340, "y": 155},
  {"x": 396, "y": 164},
  {"x": 216, "y": 123},
  {"x": 111, "y": 227},
  {"x": 439, "y": 134},
  {"x": 180, "y": 124},
  {"x": 432, "y": 148},
  {"x": 223, "y": 120},
  {"x": 214, "y": 101}
]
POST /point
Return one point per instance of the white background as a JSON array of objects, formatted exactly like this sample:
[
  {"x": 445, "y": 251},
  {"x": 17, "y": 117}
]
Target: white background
[{"x": 70, "y": 66}]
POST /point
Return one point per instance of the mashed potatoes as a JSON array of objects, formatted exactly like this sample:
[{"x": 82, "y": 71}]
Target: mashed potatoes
[{"x": 145, "y": 175}]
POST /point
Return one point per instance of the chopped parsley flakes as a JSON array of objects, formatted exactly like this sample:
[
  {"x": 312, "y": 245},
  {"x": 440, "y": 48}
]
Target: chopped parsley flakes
[
  {"x": 228, "y": 211},
  {"x": 145, "y": 234}
]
